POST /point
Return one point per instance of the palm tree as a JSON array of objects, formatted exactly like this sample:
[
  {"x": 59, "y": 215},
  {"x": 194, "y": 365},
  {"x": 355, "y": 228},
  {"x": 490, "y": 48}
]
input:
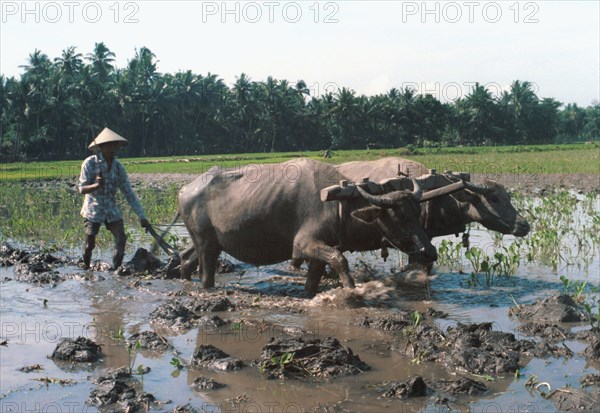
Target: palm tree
[
  {"x": 477, "y": 116},
  {"x": 36, "y": 84},
  {"x": 344, "y": 115},
  {"x": 572, "y": 121},
  {"x": 591, "y": 129},
  {"x": 101, "y": 60},
  {"x": 523, "y": 97},
  {"x": 70, "y": 62},
  {"x": 143, "y": 86},
  {"x": 12, "y": 118},
  {"x": 37, "y": 64},
  {"x": 245, "y": 111},
  {"x": 523, "y": 102}
]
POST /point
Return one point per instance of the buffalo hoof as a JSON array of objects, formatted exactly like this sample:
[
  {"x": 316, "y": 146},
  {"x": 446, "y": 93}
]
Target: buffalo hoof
[
  {"x": 311, "y": 289},
  {"x": 309, "y": 294}
]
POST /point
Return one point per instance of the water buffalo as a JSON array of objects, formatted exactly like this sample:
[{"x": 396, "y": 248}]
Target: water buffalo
[
  {"x": 264, "y": 214},
  {"x": 488, "y": 204}
]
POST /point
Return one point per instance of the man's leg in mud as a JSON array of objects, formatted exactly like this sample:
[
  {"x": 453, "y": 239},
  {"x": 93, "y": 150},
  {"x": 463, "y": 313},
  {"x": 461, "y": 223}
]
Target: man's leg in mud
[
  {"x": 91, "y": 230},
  {"x": 118, "y": 231}
]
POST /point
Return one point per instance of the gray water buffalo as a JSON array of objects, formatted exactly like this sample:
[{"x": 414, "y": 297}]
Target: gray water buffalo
[
  {"x": 488, "y": 204},
  {"x": 265, "y": 214}
]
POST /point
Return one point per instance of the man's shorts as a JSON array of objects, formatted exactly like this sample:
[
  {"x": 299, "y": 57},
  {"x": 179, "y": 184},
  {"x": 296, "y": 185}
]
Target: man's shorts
[{"x": 92, "y": 228}]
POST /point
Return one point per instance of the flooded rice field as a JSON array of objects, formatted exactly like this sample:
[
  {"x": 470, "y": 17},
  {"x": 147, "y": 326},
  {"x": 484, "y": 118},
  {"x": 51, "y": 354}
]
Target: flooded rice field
[{"x": 466, "y": 339}]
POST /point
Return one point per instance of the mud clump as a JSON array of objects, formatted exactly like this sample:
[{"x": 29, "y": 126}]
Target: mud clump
[
  {"x": 30, "y": 369},
  {"x": 149, "y": 340},
  {"x": 213, "y": 321},
  {"x": 221, "y": 304},
  {"x": 557, "y": 309},
  {"x": 118, "y": 388},
  {"x": 590, "y": 380},
  {"x": 588, "y": 335},
  {"x": 474, "y": 348},
  {"x": 173, "y": 315},
  {"x": 101, "y": 266},
  {"x": 183, "y": 313},
  {"x": 299, "y": 358},
  {"x": 35, "y": 268},
  {"x": 549, "y": 331},
  {"x": 542, "y": 349},
  {"x": 36, "y": 273},
  {"x": 592, "y": 352},
  {"x": 432, "y": 312},
  {"x": 397, "y": 321},
  {"x": 172, "y": 269},
  {"x": 478, "y": 349},
  {"x": 570, "y": 399},
  {"x": 212, "y": 357},
  {"x": 463, "y": 385},
  {"x": 206, "y": 383},
  {"x": 10, "y": 255},
  {"x": 141, "y": 262},
  {"x": 78, "y": 350},
  {"x": 417, "y": 387},
  {"x": 186, "y": 408},
  {"x": 414, "y": 387},
  {"x": 225, "y": 266}
]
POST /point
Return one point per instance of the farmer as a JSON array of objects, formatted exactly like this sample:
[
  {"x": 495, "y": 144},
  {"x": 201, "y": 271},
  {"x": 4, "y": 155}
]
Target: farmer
[{"x": 101, "y": 175}]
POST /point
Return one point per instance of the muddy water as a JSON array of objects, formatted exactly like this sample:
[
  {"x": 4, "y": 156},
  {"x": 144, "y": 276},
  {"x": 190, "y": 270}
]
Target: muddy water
[{"x": 34, "y": 318}]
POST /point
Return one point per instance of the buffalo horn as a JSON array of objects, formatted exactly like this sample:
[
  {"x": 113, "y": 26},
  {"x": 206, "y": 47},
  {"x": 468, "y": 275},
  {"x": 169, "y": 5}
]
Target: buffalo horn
[
  {"x": 417, "y": 191},
  {"x": 480, "y": 189},
  {"x": 387, "y": 200},
  {"x": 445, "y": 190},
  {"x": 382, "y": 201}
]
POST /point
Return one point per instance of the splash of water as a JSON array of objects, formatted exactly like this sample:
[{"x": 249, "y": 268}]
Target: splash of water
[{"x": 369, "y": 294}]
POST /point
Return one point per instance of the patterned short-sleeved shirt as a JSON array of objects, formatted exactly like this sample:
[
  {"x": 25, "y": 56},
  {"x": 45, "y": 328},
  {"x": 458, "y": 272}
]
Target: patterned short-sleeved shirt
[{"x": 101, "y": 204}]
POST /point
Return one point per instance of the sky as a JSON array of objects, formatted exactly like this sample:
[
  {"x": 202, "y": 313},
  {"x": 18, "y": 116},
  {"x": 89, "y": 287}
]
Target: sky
[{"x": 436, "y": 47}]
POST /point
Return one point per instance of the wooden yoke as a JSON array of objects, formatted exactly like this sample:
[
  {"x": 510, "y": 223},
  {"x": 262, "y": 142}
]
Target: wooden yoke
[
  {"x": 437, "y": 185},
  {"x": 429, "y": 181},
  {"x": 346, "y": 190}
]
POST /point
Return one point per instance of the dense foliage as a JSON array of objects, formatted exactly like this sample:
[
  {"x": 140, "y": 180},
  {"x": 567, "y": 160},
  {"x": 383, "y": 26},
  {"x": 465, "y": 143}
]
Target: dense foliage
[{"x": 57, "y": 106}]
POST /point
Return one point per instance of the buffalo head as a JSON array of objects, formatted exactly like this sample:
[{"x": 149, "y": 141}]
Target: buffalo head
[
  {"x": 397, "y": 214},
  {"x": 490, "y": 205}
]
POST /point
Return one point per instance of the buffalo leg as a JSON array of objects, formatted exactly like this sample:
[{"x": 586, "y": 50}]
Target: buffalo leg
[
  {"x": 420, "y": 262},
  {"x": 208, "y": 256},
  {"x": 313, "y": 276},
  {"x": 296, "y": 263},
  {"x": 189, "y": 262},
  {"x": 417, "y": 260},
  {"x": 317, "y": 250}
]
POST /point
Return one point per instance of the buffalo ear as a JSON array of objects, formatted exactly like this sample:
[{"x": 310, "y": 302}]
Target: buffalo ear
[{"x": 367, "y": 214}]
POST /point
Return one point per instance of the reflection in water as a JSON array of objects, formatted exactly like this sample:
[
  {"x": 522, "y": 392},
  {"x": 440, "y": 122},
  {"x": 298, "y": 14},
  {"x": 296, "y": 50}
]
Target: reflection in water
[{"x": 107, "y": 314}]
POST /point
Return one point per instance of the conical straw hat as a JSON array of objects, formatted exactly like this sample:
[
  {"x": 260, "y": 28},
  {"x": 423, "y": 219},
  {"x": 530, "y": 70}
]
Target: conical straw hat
[{"x": 107, "y": 136}]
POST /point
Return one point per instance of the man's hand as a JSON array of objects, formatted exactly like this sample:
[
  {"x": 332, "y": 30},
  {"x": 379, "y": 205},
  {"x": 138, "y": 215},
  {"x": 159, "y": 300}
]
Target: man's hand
[
  {"x": 144, "y": 223},
  {"x": 99, "y": 182},
  {"x": 86, "y": 189}
]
